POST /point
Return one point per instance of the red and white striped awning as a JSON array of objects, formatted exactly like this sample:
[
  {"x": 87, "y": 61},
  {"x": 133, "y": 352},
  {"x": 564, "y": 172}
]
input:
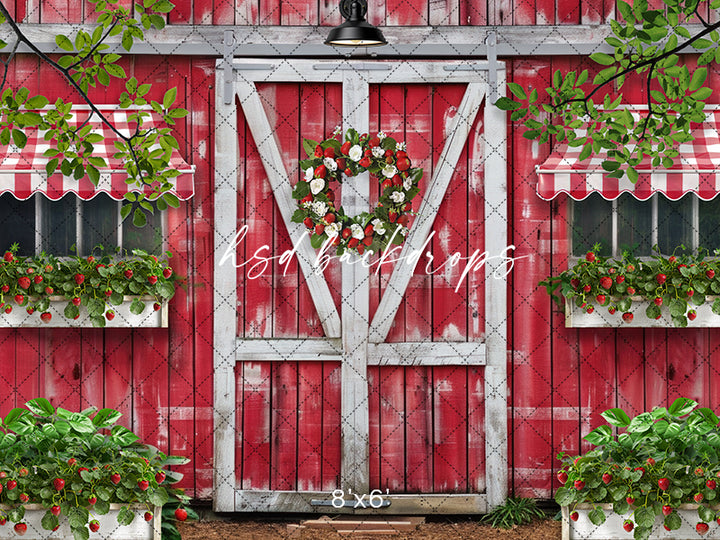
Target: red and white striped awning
[
  {"x": 22, "y": 171},
  {"x": 696, "y": 170}
]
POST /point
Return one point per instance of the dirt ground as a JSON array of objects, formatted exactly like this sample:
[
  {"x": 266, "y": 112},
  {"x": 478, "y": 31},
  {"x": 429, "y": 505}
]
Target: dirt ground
[{"x": 432, "y": 530}]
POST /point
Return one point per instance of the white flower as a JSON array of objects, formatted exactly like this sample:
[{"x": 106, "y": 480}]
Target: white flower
[
  {"x": 377, "y": 151},
  {"x": 306, "y": 204},
  {"x": 337, "y": 131},
  {"x": 309, "y": 173},
  {"x": 400, "y": 146},
  {"x": 397, "y": 197},
  {"x": 320, "y": 208},
  {"x": 404, "y": 231},
  {"x": 357, "y": 231},
  {"x": 356, "y": 153},
  {"x": 316, "y": 185},
  {"x": 378, "y": 226},
  {"x": 407, "y": 184},
  {"x": 389, "y": 171},
  {"x": 333, "y": 229},
  {"x": 380, "y": 230},
  {"x": 330, "y": 164},
  {"x": 381, "y": 136}
]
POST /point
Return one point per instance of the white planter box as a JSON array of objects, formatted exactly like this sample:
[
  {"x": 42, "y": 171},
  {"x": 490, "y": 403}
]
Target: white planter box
[
  {"x": 612, "y": 529},
  {"x": 110, "y": 529},
  {"x": 149, "y": 318},
  {"x": 600, "y": 318}
]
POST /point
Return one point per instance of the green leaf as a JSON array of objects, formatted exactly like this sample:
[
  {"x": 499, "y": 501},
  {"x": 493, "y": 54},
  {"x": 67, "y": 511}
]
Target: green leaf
[
  {"x": 677, "y": 307},
  {"x": 564, "y": 497},
  {"x": 698, "y": 78},
  {"x": 599, "y": 436},
  {"x": 106, "y": 418},
  {"x": 40, "y": 407},
  {"x": 169, "y": 98},
  {"x": 19, "y": 138},
  {"x": 137, "y": 306},
  {"x": 80, "y": 533},
  {"x": 517, "y": 90},
  {"x": 616, "y": 417},
  {"x": 49, "y": 521},
  {"x": 641, "y": 423},
  {"x": 681, "y": 407},
  {"x": 626, "y": 12},
  {"x": 644, "y": 516},
  {"x": 602, "y": 59},
  {"x": 125, "y": 516},
  {"x": 139, "y": 218},
  {"x": 673, "y": 521},
  {"x": 706, "y": 514},
  {"x": 596, "y": 516},
  {"x": 503, "y": 103},
  {"x": 115, "y": 70},
  {"x": 64, "y": 43}
]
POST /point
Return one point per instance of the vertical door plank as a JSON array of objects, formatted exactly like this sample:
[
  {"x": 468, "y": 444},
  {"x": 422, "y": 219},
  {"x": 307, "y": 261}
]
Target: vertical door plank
[
  {"x": 309, "y": 426},
  {"x": 92, "y": 353},
  {"x": 688, "y": 367},
  {"x": 284, "y": 425},
  {"x": 8, "y": 370},
  {"x": 117, "y": 376},
  {"x": 256, "y": 406},
  {"x": 408, "y": 13},
  {"x": 373, "y": 378},
  {"x": 656, "y": 368},
  {"x": 444, "y": 12},
  {"x": 630, "y": 379},
  {"x": 450, "y": 429},
  {"x": 418, "y": 429},
  {"x": 29, "y": 351},
  {"x": 61, "y": 370},
  {"x": 151, "y": 397},
  {"x": 392, "y": 429},
  {"x": 299, "y": 12},
  {"x": 476, "y": 429},
  {"x": 597, "y": 378},
  {"x": 331, "y": 432}
]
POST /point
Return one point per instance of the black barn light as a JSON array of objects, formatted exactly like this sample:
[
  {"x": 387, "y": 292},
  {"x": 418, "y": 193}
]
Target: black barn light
[{"x": 355, "y": 31}]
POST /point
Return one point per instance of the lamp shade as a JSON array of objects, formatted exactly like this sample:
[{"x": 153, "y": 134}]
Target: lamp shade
[{"x": 355, "y": 31}]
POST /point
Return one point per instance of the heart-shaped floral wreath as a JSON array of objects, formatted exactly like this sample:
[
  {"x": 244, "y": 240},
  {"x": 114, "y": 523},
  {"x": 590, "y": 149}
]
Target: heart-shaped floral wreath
[{"x": 384, "y": 158}]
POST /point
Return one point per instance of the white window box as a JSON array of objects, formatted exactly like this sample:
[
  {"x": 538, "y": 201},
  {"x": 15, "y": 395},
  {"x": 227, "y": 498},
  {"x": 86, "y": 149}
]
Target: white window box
[
  {"x": 612, "y": 529},
  {"x": 110, "y": 529},
  {"x": 576, "y": 317},
  {"x": 149, "y": 318}
]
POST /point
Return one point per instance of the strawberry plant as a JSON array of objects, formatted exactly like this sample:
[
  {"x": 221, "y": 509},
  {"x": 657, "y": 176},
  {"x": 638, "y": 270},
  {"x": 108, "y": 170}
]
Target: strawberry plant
[
  {"x": 97, "y": 282},
  {"x": 75, "y": 464},
  {"x": 675, "y": 284},
  {"x": 657, "y": 461}
]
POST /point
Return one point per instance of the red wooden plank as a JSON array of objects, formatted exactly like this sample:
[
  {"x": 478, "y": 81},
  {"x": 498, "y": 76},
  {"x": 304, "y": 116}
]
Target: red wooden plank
[
  {"x": 373, "y": 377},
  {"x": 217, "y": 12},
  {"x": 418, "y": 429},
  {"x": 376, "y": 14},
  {"x": 117, "y": 375},
  {"x": 202, "y": 266},
  {"x": 523, "y": 12},
  {"x": 418, "y": 125},
  {"x": 309, "y": 426},
  {"x": 150, "y": 386},
  {"x": 183, "y": 12},
  {"x": 532, "y": 362},
  {"x": 246, "y": 12},
  {"x": 259, "y": 214},
  {"x": 92, "y": 351},
  {"x": 60, "y": 11},
  {"x": 61, "y": 368},
  {"x": 378, "y": 277},
  {"x": 29, "y": 365},
  {"x": 281, "y": 105},
  {"x": 688, "y": 368},
  {"x": 449, "y": 313},
  {"x": 8, "y": 373},
  {"x": 476, "y": 429},
  {"x": 27, "y": 11},
  {"x": 475, "y": 279},
  {"x": 284, "y": 425},
  {"x": 392, "y": 429},
  {"x": 299, "y": 12},
  {"x": 269, "y": 12},
  {"x": 545, "y": 12},
  {"x": 239, "y": 427},
  {"x": 256, "y": 406},
  {"x": 450, "y": 429},
  {"x": 597, "y": 378},
  {"x": 656, "y": 368},
  {"x": 331, "y": 391},
  {"x": 474, "y": 13},
  {"x": 407, "y": 13},
  {"x": 329, "y": 14},
  {"x": 630, "y": 380},
  {"x": 568, "y": 12}
]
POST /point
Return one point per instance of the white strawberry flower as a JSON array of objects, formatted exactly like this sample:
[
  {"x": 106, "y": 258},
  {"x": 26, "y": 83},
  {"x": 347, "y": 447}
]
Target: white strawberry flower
[
  {"x": 404, "y": 231},
  {"x": 333, "y": 229},
  {"x": 330, "y": 164},
  {"x": 381, "y": 135},
  {"x": 316, "y": 185},
  {"x": 400, "y": 146},
  {"x": 377, "y": 151},
  {"x": 355, "y": 153},
  {"x": 337, "y": 131},
  {"x": 389, "y": 171},
  {"x": 357, "y": 231},
  {"x": 378, "y": 226},
  {"x": 309, "y": 173},
  {"x": 397, "y": 197},
  {"x": 320, "y": 208},
  {"x": 407, "y": 184}
]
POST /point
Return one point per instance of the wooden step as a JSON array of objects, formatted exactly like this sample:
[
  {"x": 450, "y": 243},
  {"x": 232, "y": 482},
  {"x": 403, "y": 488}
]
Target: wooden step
[{"x": 349, "y": 525}]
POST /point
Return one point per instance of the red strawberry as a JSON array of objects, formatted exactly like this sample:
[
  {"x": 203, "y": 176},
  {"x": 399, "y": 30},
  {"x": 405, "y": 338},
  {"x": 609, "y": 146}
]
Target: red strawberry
[
  {"x": 361, "y": 248},
  {"x": 91, "y": 259},
  {"x": 650, "y": 461},
  {"x": 24, "y": 282},
  {"x": 24, "y": 497},
  {"x": 59, "y": 484},
  {"x": 367, "y": 240},
  {"x": 152, "y": 280},
  {"x": 156, "y": 306},
  {"x": 607, "y": 478},
  {"x": 698, "y": 497},
  {"x": 55, "y": 510},
  {"x": 364, "y": 162},
  {"x": 587, "y": 288},
  {"x": 20, "y": 528},
  {"x": 605, "y": 282},
  {"x": 329, "y": 218},
  {"x": 590, "y": 257},
  {"x": 590, "y": 309},
  {"x": 319, "y": 229},
  {"x": 627, "y": 317},
  {"x": 148, "y": 516},
  {"x": 562, "y": 477},
  {"x": 49, "y": 268},
  {"x": 403, "y": 220},
  {"x": 631, "y": 290},
  {"x": 341, "y": 163},
  {"x": 711, "y": 484},
  {"x": 160, "y": 477},
  {"x": 699, "y": 471},
  {"x": 672, "y": 259},
  {"x": 8, "y": 309},
  {"x": 94, "y": 525},
  {"x": 667, "y": 510},
  {"x": 8, "y": 257},
  {"x": 320, "y": 171},
  {"x": 5, "y": 288},
  {"x": 579, "y": 484},
  {"x": 181, "y": 514},
  {"x": 167, "y": 272},
  {"x": 143, "y": 485},
  {"x": 692, "y": 314},
  {"x": 369, "y": 230},
  {"x": 37, "y": 279},
  {"x": 109, "y": 314},
  {"x": 346, "y": 233},
  {"x": 23, "y": 472},
  {"x": 3, "y": 520},
  {"x": 702, "y": 528},
  {"x": 45, "y": 317},
  {"x": 690, "y": 292},
  {"x": 619, "y": 279},
  {"x": 630, "y": 500},
  {"x": 72, "y": 461},
  {"x": 79, "y": 278},
  {"x": 612, "y": 310},
  {"x": 128, "y": 274},
  {"x": 329, "y": 152},
  {"x": 30, "y": 271},
  {"x": 92, "y": 500},
  {"x": 19, "y": 299},
  {"x": 345, "y": 148},
  {"x": 710, "y": 274},
  {"x": 308, "y": 222},
  {"x": 318, "y": 151},
  {"x": 403, "y": 164},
  {"x": 630, "y": 268},
  {"x": 115, "y": 478},
  {"x": 387, "y": 183},
  {"x": 49, "y": 290},
  {"x": 11, "y": 484},
  {"x": 30, "y": 310},
  {"x": 663, "y": 483},
  {"x": 307, "y": 198},
  {"x": 658, "y": 301},
  {"x": 628, "y": 525},
  {"x": 353, "y": 242},
  {"x": 600, "y": 299},
  {"x": 574, "y": 516},
  {"x": 348, "y": 172},
  {"x": 375, "y": 141},
  {"x": 661, "y": 278},
  {"x": 76, "y": 301}
]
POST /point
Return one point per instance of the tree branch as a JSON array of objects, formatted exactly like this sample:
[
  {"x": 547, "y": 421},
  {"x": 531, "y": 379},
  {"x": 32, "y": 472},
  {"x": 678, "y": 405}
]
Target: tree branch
[{"x": 95, "y": 47}]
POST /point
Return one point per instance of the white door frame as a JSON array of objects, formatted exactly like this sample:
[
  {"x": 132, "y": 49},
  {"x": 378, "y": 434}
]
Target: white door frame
[{"x": 350, "y": 331}]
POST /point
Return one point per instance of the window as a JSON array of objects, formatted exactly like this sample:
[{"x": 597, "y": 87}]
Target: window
[
  {"x": 39, "y": 224},
  {"x": 627, "y": 224}
]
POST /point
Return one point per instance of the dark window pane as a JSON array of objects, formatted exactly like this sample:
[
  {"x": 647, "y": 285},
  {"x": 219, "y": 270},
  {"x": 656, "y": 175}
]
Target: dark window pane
[
  {"x": 99, "y": 223},
  {"x": 674, "y": 225},
  {"x": 710, "y": 224},
  {"x": 591, "y": 224},
  {"x": 148, "y": 237},
  {"x": 634, "y": 225},
  {"x": 17, "y": 224},
  {"x": 59, "y": 223}
]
